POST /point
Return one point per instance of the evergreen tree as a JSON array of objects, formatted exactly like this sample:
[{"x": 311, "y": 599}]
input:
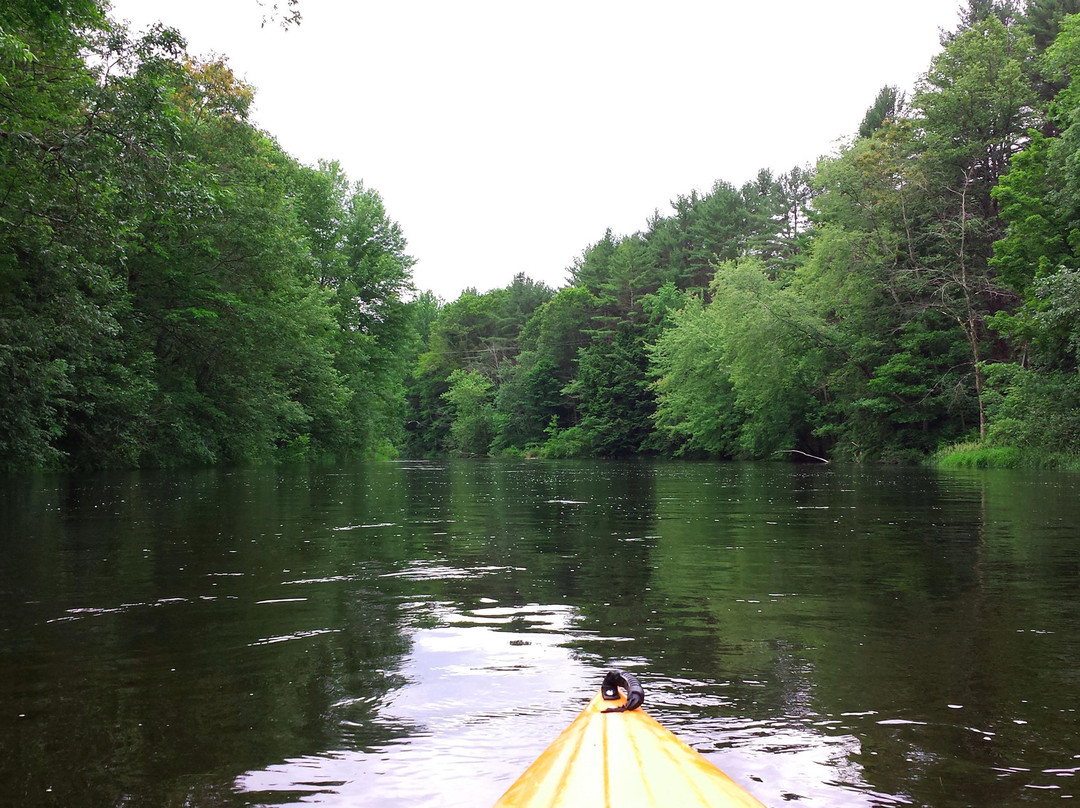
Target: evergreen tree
[
  {"x": 1043, "y": 19},
  {"x": 888, "y": 105}
]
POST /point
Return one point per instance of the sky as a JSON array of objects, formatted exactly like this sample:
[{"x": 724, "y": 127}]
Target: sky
[{"x": 506, "y": 136}]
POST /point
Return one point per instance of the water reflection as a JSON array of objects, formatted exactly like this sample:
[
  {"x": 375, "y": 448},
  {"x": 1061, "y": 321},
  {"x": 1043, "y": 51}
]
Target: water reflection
[
  {"x": 484, "y": 683},
  {"x": 489, "y": 688},
  {"x": 416, "y": 633}
]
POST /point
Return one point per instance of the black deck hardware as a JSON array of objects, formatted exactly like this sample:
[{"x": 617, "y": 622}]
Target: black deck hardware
[{"x": 635, "y": 694}]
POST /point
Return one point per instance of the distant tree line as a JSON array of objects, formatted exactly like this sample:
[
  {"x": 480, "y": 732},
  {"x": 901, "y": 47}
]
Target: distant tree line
[
  {"x": 918, "y": 292},
  {"x": 175, "y": 289}
]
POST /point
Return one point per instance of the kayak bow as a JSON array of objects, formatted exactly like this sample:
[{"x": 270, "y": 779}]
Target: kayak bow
[{"x": 614, "y": 755}]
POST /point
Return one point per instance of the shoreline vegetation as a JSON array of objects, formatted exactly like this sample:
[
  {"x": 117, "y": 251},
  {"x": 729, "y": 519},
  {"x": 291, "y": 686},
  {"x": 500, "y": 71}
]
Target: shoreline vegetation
[
  {"x": 177, "y": 290},
  {"x": 976, "y": 456}
]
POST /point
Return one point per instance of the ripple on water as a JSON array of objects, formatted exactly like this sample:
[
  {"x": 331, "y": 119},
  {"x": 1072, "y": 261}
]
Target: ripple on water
[
  {"x": 296, "y": 635},
  {"x": 432, "y": 571},
  {"x": 474, "y": 690},
  {"x": 488, "y": 688}
]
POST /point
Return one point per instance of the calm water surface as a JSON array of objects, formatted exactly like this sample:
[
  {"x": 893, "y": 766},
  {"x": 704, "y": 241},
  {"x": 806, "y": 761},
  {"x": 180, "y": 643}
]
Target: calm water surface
[{"x": 415, "y": 633}]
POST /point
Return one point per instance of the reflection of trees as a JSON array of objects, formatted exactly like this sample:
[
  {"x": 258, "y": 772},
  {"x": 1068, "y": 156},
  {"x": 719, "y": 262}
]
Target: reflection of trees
[
  {"x": 893, "y": 596},
  {"x": 180, "y": 679},
  {"x": 807, "y": 594},
  {"x": 569, "y": 532},
  {"x": 167, "y": 696}
]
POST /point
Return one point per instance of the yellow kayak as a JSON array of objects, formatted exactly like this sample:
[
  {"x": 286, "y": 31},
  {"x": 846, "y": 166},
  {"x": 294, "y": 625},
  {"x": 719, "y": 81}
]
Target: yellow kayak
[{"x": 615, "y": 755}]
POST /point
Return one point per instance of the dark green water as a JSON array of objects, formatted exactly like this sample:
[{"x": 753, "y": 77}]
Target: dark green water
[{"x": 410, "y": 634}]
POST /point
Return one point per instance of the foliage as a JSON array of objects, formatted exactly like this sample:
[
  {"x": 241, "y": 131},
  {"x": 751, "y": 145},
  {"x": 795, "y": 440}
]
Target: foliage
[
  {"x": 976, "y": 456},
  {"x": 176, "y": 289},
  {"x": 1043, "y": 19},
  {"x": 696, "y": 402},
  {"x": 480, "y": 334},
  {"x": 887, "y": 106},
  {"x": 473, "y": 416}
]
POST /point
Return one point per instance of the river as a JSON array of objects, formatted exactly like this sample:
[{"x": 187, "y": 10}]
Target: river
[{"x": 415, "y": 633}]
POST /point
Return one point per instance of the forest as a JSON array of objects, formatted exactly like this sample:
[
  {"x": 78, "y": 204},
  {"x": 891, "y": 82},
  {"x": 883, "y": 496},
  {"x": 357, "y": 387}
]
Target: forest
[{"x": 175, "y": 289}]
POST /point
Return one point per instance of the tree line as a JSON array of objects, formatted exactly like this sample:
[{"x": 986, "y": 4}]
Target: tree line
[
  {"x": 176, "y": 289},
  {"x": 914, "y": 295}
]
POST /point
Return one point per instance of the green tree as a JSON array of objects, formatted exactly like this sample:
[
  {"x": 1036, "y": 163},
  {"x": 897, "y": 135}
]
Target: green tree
[
  {"x": 696, "y": 410},
  {"x": 1033, "y": 402},
  {"x": 592, "y": 266},
  {"x": 479, "y": 333},
  {"x": 472, "y": 412},
  {"x": 976, "y": 105},
  {"x": 1035, "y": 241},
  {"x": 1040, "y": 203},
  {"x": 375, "y": 325},
  {"x": 174, "y": 284},
  {"x": 611, "y": 393},
  {"x": 531, "y": 396},
  {"x": 1043, "y": 19},
  {"x": 887, "y": 106},
  {"x": 76, "y": 148}
]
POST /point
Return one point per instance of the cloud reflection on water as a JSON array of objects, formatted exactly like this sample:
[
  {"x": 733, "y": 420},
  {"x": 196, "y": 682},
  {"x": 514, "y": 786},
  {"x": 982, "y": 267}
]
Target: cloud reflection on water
[{"x": 487, "y": 689}]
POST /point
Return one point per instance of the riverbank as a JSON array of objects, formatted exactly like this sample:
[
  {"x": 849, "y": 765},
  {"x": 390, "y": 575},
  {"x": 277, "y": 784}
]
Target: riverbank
[{"x": 980, "y": 455}]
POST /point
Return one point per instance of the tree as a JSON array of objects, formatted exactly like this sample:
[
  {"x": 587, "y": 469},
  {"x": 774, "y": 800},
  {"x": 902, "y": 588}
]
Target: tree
[
  {"x": 592, "y": 266},
  {"x": 472, "y": 420},
  {"x": 176, "y": 288},
  {"x": 1043, "y": 19},
  {"x": 611, "y": 392},
  {"x": 1035, "y": 241},
  {"x": 531, "y": 396},
  {"x": 481, "y": 333},
  {"x": 375, "y": 325},
  {"x": 976, "y": 105},
  {"x": 887, "y": 106},
  {"x": 1040, "y": 204},
  {"x": 696, "y": 410},
  {"x": 977, "y": 12},
  {"x": 76, "y": 143}
]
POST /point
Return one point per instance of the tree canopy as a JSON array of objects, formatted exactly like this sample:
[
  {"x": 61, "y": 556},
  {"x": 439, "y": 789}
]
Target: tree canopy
[{"x": 176, "y": 289}]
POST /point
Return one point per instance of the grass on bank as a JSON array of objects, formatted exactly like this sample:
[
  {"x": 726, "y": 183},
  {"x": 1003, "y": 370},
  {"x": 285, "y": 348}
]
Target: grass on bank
[{"x": 979, "y": 455}]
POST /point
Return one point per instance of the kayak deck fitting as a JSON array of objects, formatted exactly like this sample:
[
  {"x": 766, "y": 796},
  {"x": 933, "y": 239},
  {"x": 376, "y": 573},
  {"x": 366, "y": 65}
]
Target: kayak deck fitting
[{"x": 614, "y": 755}]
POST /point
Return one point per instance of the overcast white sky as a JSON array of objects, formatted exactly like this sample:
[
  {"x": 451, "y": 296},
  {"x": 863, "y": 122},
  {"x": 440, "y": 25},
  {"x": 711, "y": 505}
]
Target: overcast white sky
[{"x": 507, "y": 136}]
